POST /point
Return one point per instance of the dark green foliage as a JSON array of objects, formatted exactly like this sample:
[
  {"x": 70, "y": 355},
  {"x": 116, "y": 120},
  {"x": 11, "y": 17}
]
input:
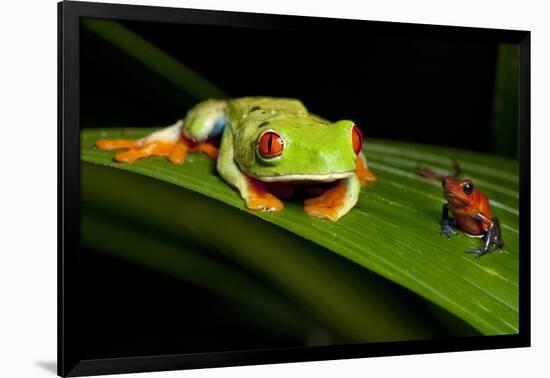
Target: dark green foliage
[{"x": 393, "y": 232}]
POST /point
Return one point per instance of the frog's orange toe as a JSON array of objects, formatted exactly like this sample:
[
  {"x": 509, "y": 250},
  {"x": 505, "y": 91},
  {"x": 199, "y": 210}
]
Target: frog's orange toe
[
  {"x": 326, "y": 206},
  {"x": 175, "y": 151},
  {"x": 129, "y": 156},
  {"x": 152, "y": 149},
  {"x": 268, "y": 203},
  {"x": 363, "y": 172},
  {"x": 368, "y": 176},
  {"x": 259, "y": 198},
  {"x": 322, "y": 212},
  {"x": 208, "y": 149},
  {"x": 116, "y": 144},
  {"x": 179, "y": 152}
]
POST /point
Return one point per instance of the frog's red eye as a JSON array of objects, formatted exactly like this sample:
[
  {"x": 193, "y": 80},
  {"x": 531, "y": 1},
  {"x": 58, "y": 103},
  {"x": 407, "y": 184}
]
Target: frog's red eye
[
  {"x": 270, "y": 144},
  {"x": 356, "y": 139}
]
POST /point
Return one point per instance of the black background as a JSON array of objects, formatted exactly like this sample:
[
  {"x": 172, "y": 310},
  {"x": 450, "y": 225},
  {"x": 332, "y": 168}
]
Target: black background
[{"x": 415, "y": 89}]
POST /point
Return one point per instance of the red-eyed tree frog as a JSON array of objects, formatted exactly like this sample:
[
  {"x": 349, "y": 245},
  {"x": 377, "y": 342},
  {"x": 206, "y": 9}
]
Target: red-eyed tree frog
[{"x": 269, "y": 147}]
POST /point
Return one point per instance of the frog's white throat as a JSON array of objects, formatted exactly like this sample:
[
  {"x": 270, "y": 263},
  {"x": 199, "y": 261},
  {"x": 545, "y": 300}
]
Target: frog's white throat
[{"x": 327, "y": 177}]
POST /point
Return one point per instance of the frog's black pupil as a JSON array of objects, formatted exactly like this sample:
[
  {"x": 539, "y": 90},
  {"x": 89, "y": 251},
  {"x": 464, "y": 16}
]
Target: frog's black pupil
[
  {"x": 468, "y": 188},
  {"x": 269, "y": 143}
]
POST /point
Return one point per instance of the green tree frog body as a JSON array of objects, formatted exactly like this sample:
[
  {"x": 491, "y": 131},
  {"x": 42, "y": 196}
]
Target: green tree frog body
[{"x": 268, "y": 147}]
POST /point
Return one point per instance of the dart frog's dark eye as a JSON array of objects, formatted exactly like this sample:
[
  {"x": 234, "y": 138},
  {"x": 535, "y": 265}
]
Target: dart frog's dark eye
[
  {"x": 468, "y": 188},
  {"x": 270, "y": 145}
]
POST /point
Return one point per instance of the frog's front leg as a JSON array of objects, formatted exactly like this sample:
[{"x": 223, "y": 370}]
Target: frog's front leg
[
  {"x": 253, "y": 191},
  {"x": 447, "y": 224},
  {"x": 335, "y": 202}
]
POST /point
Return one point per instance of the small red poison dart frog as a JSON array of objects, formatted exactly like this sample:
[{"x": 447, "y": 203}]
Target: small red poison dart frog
[{"x": 471, "y": 211}]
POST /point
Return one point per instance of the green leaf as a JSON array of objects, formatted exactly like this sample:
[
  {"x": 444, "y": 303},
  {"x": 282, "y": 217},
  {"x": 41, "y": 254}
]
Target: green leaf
[
  {"x": 393, "y": 231},
  {"x": 274, "y": 277}
]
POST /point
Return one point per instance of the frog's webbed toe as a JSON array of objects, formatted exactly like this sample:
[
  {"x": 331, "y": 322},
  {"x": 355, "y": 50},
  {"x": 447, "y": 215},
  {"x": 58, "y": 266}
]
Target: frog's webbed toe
[
  {"x": 477, "y": 252},
  {"x": 117, "y": 144},
  {"x": 364, "y": 174},
  {"x": 448, "y": 230},
  {"x": 336, "y": 201}
]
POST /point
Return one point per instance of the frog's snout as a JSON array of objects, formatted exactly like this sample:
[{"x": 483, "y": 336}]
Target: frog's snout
[
  {"x": 334, "y": 158},
  {"x": 450, "y": 183}
]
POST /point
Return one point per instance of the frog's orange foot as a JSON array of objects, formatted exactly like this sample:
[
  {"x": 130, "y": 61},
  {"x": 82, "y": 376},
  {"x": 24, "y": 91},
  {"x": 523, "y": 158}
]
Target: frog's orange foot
[
  {"x": 176, "y": 152},
  {"x": 328, "y": 204},
  {"x": 179, "y": 151},
  {"x": 137, "y": 149},
  {"x": 259, "y": 198},
  {"x": 363, "y": 172}
]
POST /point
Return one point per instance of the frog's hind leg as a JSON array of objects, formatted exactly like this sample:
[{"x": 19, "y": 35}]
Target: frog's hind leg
[
  {"x": 496, "y": 239},
  {"x": 169, "y": 142},
  {"x": 364, "y": 174},
  {"x": 253, "y": 191},
  {"x": 492, "y": 238},
  {"x": 335, "y": 202},
  {"x": 202, "y": 124},
  {"x": 165, "y": 142}
]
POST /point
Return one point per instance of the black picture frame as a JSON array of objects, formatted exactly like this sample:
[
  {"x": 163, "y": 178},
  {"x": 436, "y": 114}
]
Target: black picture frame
[{"x": 69, "y": 361}]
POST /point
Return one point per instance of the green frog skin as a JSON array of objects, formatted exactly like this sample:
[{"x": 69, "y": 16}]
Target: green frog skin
[{"x": 269, "y": 147}]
